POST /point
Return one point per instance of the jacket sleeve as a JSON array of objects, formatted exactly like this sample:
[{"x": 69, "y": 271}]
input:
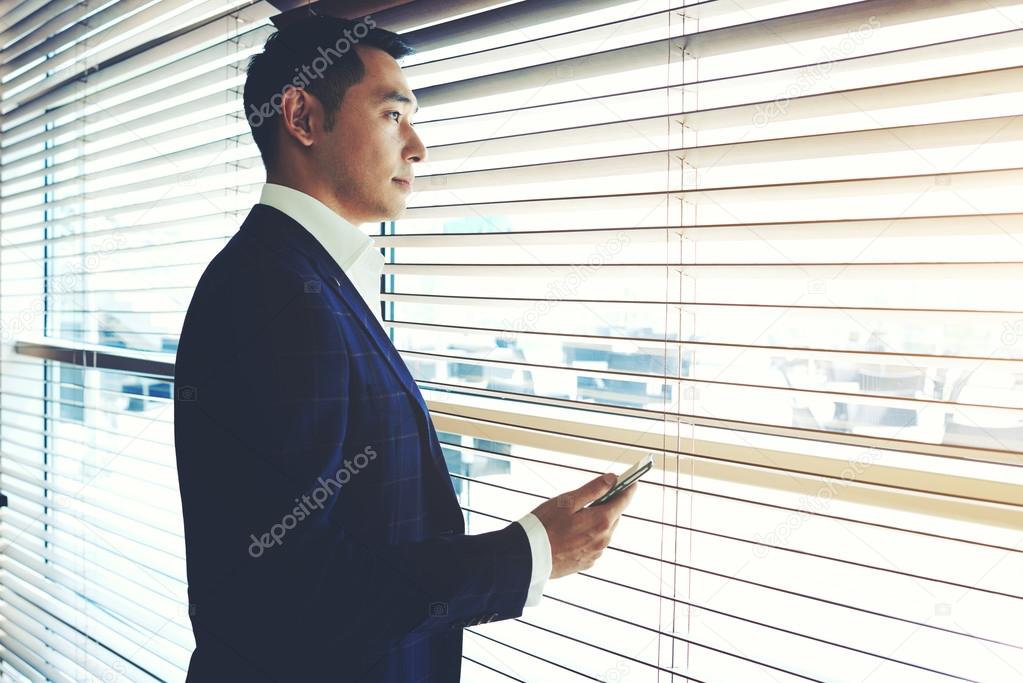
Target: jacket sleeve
[{"x": 262, "y": 404}]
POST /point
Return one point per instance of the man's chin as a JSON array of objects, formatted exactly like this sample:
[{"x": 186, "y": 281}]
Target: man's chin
[{"x": 394, "y": 212}]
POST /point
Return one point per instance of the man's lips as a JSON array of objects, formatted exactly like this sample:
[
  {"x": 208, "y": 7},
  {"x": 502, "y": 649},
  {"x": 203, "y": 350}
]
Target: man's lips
[{"x": 403, "y": 182}]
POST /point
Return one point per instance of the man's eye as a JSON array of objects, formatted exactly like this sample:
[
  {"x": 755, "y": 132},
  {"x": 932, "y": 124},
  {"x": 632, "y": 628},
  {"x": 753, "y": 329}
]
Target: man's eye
[{"x": 395, "y": 112}]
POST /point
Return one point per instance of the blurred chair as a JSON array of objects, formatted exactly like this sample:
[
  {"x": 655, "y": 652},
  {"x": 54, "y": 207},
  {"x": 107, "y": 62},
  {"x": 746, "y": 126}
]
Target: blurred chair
[
  {"x": 999, "y": 438},
  {"x": 885, "y": 381},
  {"x": 959, "y": 432}
]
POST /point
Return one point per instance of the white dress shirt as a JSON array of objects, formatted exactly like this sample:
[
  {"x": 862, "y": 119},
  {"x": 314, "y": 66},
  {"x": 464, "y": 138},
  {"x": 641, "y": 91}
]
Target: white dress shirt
[{"x": 353, "y": 250}]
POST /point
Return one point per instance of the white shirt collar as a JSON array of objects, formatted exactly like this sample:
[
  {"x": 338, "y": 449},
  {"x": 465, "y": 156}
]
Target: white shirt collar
[
  {"x": 350, "y": 247},
  {"x": 342, "y": 240}
]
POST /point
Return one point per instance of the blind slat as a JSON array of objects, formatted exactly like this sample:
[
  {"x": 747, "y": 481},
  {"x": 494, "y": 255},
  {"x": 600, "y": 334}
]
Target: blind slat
[
  {"x": 59, "y": 636},
  {"x": 831, "y": 21},
  {"x": 121, "y": 636}
]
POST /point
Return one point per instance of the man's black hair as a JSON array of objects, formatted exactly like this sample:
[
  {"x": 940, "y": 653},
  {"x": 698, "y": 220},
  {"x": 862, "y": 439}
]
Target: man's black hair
[{"x": 316, "y": 53}]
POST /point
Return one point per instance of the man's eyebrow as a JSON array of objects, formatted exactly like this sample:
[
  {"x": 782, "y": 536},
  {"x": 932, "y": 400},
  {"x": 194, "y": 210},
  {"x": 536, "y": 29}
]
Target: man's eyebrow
[{"x": 397, "y": 96}]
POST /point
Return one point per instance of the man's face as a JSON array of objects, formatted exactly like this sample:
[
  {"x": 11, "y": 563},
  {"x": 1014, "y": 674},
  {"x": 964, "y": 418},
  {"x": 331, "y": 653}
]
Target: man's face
[{"x": 372, "y": 143}]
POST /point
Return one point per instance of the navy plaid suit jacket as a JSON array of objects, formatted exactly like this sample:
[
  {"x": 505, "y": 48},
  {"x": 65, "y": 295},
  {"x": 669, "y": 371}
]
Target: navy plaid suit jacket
[{"x": 324, "y": 539}]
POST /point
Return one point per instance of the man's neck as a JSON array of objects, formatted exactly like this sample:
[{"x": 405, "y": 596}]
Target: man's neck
[{"x": 328, "y": 199}]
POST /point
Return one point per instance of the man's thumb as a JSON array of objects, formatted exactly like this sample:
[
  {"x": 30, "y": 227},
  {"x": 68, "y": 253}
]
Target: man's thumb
[
  {"x": 579, "y": 498},
  {"x": 596, "y": 488}
]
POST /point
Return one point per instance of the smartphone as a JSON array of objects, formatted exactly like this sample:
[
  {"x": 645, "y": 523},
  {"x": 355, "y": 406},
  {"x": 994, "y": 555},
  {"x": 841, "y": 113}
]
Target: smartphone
[{"x": 626, "y": 478}]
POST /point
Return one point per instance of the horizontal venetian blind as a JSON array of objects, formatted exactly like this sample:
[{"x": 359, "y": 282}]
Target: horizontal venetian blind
[
  {"x": 125, "y": 165},
  {"x": 778, "y": 244}
]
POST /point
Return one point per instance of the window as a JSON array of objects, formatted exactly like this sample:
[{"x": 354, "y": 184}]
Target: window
[
  {"x": 126, "y": 165},
  {"x": 777, "y": 244}
]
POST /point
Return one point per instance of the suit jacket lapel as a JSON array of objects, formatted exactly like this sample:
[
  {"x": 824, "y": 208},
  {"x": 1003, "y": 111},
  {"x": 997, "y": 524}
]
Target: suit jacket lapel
[{"x": 276, "y": 228}]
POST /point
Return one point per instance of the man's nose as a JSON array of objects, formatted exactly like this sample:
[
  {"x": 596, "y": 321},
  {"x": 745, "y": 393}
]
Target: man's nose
[{"x": 416, "y": 150}]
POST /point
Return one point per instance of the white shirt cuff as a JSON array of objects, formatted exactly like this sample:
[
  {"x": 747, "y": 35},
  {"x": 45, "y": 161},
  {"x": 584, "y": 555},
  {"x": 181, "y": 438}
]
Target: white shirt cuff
[{"x": 540, "y": 545}]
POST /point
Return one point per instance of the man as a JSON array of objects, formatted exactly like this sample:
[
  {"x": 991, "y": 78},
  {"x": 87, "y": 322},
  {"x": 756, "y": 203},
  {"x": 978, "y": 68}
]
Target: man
[{"x": 324, "y": 539}]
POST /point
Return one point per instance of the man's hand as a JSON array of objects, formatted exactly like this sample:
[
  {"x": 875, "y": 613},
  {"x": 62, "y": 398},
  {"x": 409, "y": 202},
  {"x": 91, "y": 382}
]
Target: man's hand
[{"x": 578, "y": 535}]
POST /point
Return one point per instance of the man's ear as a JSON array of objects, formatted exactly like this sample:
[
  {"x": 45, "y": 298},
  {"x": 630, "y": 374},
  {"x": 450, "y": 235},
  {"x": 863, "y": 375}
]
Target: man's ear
[{"x": 299, "y": 115}]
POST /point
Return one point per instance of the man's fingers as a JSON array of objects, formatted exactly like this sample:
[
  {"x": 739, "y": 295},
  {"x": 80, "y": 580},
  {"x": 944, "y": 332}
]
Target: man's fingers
[{"x": 590, "y": 491}]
